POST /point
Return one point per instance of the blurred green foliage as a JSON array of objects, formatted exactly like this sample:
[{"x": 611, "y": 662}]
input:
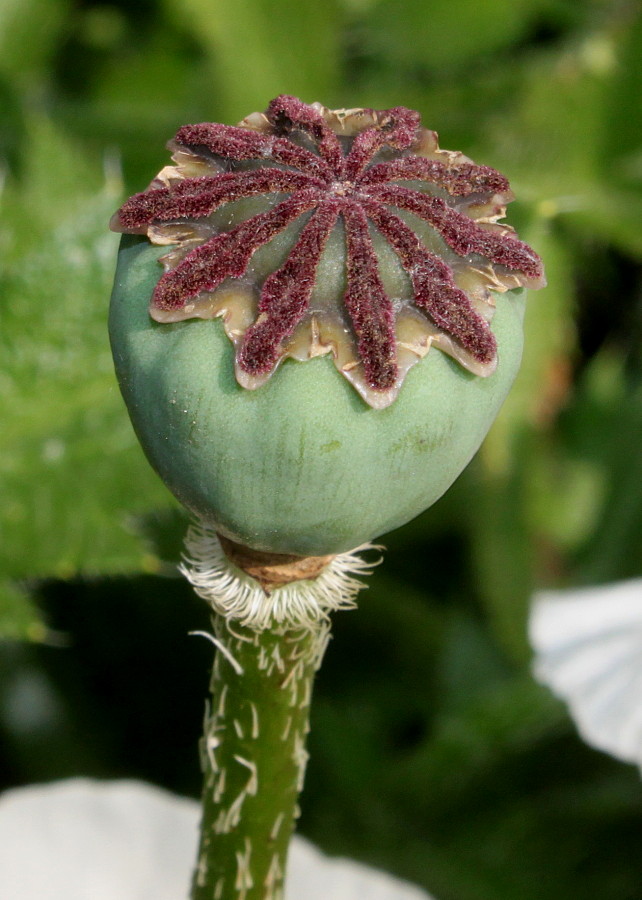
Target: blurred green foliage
[{"x": 433, "y": 752}]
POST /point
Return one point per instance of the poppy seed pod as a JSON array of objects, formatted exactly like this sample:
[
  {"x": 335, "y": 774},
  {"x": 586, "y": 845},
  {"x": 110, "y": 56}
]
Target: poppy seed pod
[{"x": 303, "y": 245}]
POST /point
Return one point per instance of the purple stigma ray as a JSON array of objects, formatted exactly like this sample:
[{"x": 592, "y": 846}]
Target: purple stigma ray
[
  {"x": 286, "y": 293},
  {"x": 398, "y": 131},
  {"x": 286, "y": 113},
  {"x": 228, "y": 254},
  {"x": 194, "y": 198},
  {"x": 237, "y": 144},
  {"x": 367, "y": 303},
  {"x": 460, "y": 233},
  {"x": 358, "y": 166},
  {"x": 434, "y": 286},
  {"x": 459, "y": 181}
]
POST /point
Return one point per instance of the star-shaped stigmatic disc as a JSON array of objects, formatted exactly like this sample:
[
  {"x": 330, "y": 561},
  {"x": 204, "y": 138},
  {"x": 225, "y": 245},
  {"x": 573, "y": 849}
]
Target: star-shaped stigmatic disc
[{"x": 313, "y": 231}]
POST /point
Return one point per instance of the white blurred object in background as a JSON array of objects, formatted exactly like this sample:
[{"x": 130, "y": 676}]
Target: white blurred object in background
[
  {"x": 588, "y": 650},
  {"x": 125, "y": 840}
]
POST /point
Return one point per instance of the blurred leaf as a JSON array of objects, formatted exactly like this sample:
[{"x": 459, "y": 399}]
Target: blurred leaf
[
  {"x": 566, "y": 497},
  {"x": 29, "y": 30},
  {"x": 499, "y": 718},
  {"x": 11, "y": 127},
  {"x": 614, "y": 550},
  {"x": 516, "y": 453},
  {"x": 622, "y": 134},
  {"x": 503, "y": 550},
  {"x": 139, "y": 95},
  {"x": 552, "y": 140},
  {"x": 543, "y": 382},
  {"x": 262, "y": 48},
  {"x": 19, "y": 618},
  {"x": 68, "y": 456},
  {"x": 438, "y": 35}
]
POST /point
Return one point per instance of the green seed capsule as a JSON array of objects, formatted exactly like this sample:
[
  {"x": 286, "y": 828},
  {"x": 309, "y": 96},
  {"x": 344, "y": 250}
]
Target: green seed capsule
[
  {"x": 338, "y": 322},
  {"x": 301, "y": 465}
]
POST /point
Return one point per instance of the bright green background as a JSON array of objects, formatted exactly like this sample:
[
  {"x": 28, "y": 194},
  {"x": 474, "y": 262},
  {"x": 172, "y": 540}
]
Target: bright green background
[{"x": 433, "y": 751}]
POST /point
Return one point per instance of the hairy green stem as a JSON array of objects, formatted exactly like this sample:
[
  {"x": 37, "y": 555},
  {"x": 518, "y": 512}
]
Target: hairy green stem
[{"x": 253, "y": 757}]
